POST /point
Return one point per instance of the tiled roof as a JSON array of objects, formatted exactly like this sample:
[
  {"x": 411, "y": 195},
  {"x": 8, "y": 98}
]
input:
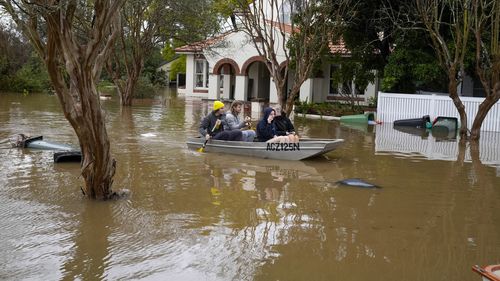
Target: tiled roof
[
  {"x": 197, "y": 47},
  {"x": 287, "y": 28}
]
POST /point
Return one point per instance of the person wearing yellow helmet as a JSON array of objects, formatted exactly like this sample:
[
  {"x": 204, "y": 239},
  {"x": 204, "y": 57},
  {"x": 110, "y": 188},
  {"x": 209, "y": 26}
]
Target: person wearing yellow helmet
[{"x": 212, "y": 126}]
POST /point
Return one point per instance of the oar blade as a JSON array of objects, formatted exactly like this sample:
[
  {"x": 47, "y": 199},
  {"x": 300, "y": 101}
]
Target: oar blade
[{"x": 202, "y": 148}]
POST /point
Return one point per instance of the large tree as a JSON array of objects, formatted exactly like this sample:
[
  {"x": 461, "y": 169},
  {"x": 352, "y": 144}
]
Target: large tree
[
  {"x": 453, "y": 27},
  {"x": 145, "y": 26},
  {"x": 448, "y": 24},
  {"x": 486, "y": 30},
  {"x": 368, "y": 38},
  {"x": 412, "y": 66},
  {"x": 301, "y": 31},
  {"x": 138, "y": 36},
  {"x": 74, "y": 38}
]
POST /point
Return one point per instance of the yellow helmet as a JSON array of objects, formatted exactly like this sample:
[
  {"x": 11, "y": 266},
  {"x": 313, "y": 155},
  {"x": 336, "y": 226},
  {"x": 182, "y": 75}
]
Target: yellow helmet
[{"x": 218, "y": 105}]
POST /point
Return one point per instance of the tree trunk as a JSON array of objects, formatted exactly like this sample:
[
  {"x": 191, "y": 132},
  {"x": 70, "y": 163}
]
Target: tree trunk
[
  {"x": 86, "y": 118},
  {"x": 482, "y": 112},
  {"x": 452, "y": 88},
  {"x": 128, "y": 91},
  {"x": 74, "y": 63},
  {"x": 98, "y": 167},
  {"x": 291, "y": 100},
  {"x": 279, "y": 83},
  {"x": 281, "y": 97}
]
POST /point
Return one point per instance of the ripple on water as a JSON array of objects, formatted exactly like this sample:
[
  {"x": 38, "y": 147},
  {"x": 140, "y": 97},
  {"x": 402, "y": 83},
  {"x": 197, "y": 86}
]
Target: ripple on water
[
  {"x": 47, "y": 237},
  {"x": 170, "y": 249}
]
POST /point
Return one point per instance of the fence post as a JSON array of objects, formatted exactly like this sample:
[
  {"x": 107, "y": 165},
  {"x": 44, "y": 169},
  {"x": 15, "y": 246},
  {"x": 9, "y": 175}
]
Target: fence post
[{"x": 432, "y": 112}]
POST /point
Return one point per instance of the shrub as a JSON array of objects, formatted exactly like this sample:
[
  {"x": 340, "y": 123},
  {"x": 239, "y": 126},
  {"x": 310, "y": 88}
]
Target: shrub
[
  {"x": 327, "y": 108},
  {"x": 29, "y": 79},
  {"x": 145, "y": 89}
]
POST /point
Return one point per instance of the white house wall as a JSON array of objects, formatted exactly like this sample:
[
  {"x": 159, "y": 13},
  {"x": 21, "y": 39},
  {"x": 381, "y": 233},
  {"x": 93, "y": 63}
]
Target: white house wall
[
  {"x": 253, "y": 74},
  {"x": 241, "y": 85},
  {"x": 190, "y": 74},
  {"x": 318, "y": 90},
  {"x": 372, "y": 88},
  {"x": 323, "y": 84},
  {"x": 239, "y": 47},
  {"x": 306, "y": 90}
]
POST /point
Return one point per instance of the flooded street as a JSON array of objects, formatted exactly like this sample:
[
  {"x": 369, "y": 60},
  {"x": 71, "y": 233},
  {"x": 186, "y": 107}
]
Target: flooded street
[{"x": 202, "y": 216}]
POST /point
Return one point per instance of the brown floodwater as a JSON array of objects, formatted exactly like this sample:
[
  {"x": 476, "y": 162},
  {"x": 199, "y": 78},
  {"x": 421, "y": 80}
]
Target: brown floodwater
[{"x": 202, "y": 216}]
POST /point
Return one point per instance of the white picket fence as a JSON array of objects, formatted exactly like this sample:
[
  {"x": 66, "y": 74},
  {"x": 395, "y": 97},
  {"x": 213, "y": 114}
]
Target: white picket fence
[{"x": 391, "y": 107}]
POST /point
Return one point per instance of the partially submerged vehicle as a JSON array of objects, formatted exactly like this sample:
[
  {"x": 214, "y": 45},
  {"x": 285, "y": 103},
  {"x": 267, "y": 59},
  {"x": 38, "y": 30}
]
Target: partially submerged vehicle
[
  {"x": 64, "y": 152},
  {"x": 304, "y": 149}
]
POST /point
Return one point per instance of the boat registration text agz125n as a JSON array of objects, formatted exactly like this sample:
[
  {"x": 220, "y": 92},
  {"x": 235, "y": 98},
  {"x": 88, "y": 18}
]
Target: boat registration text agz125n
[{"x": 283, "y": 147}]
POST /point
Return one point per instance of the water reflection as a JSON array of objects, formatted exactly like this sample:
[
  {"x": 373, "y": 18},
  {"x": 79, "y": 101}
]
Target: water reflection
[
  {"x": 427, "y": 145},
  {"x": 90, "y": 255},
  {"x": 421, "y": 132}
]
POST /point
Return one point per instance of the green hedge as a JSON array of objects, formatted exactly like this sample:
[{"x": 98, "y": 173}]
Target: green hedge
[{"x": 327, "y": 108}]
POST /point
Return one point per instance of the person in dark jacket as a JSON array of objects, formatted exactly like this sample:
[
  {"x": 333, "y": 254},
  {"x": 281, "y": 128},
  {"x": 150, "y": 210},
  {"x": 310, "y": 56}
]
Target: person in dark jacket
[
  {"x": 266, "y": 130},
  {"x": 265, "y": 127},
  {"x": 212, "y": 126},
  {"x": 284, "y": 126}
]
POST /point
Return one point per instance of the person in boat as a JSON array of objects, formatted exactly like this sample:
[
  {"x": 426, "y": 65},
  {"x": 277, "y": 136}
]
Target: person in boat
[
  {"x": 234, "y": 123},
  {"x": 284, "y": 126},
  {"x": 266, "y": 130},
  {"x": 212, "y": 126}
]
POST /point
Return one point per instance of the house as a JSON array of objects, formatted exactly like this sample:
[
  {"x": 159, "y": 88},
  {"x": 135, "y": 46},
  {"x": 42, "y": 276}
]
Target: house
[
  {"x": 166, "y": 66},
  {"x": 229, "y": 66}
]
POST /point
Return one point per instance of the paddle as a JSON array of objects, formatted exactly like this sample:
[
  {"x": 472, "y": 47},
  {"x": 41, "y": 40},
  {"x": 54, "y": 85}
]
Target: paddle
[{"x": 202, "y": 148}]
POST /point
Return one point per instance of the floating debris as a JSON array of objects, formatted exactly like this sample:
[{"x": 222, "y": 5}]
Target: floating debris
[
  {"x": 357, "y": 183},
  {"x": 148, "y": 135}
]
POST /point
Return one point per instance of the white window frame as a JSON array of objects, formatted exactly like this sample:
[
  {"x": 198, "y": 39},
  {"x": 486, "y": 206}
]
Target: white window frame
[{"x": 203, "y": 74}]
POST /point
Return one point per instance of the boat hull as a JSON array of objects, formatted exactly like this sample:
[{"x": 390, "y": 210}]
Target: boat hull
[
  {"x": 306, "y": 148},
  {"x": 488, "y": 273}
]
